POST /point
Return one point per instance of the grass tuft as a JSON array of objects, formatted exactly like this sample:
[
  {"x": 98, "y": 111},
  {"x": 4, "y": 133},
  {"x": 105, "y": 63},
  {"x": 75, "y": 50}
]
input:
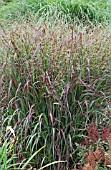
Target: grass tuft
[
  {"x": 55, "y": 80},
  {"x": 87, "y": 12}
]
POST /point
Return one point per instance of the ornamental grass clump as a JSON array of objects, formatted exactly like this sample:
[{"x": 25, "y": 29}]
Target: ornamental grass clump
[{"x": 55, "y": 79}]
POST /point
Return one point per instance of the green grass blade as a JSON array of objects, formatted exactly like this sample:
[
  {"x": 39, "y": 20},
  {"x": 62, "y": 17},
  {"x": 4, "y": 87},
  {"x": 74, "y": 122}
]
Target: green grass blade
[
  {"x": 51, "y": 164},
  {"x": 32, "y": 157}
]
